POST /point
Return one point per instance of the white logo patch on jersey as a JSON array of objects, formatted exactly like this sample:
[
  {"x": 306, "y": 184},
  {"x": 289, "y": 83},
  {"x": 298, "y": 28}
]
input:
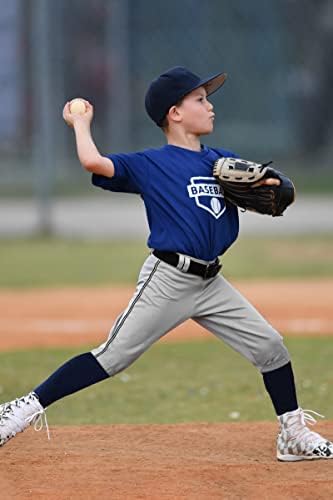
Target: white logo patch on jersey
[{"x": 206, "y": 192}]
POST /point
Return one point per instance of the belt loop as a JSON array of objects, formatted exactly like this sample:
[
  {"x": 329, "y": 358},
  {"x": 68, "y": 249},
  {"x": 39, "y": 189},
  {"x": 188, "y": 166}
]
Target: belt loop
[
  {"x": 183, "y": 263},
  {"x": 186, "y": 264},
  {"x": 181, "y": 259}
]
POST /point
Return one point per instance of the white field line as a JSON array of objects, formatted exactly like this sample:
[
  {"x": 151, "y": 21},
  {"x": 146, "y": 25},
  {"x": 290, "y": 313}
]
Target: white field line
[
  {"x": 87, "y": 326},
  {"x": 70, "y": 326}
]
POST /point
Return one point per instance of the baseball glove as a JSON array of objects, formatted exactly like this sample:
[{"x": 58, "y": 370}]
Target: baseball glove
[{"x": 245, "y": 184}]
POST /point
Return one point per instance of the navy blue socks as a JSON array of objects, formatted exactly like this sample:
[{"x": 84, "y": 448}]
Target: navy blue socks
[
  {"x": 280, "y": 385},
  {"x": 76, "y": 374},
  {"x": 84, "y": 370}
]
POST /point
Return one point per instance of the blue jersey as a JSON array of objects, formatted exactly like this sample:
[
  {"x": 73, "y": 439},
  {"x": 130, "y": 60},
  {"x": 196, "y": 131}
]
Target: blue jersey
[{"x": 185, "y": 207}]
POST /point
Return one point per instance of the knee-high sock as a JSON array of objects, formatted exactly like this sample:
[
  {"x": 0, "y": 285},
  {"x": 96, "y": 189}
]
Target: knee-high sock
[
  {"x": 76, "y": 374},
  {"x": 280, "y": 385}
]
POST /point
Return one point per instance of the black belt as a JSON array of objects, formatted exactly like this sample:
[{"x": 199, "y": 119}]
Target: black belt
[{"x": 204, "y": 270}]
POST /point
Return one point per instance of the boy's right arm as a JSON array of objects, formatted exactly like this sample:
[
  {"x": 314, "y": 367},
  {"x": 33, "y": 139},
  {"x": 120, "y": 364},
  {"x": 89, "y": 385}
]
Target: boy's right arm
[{"x": 89, "y": 156}]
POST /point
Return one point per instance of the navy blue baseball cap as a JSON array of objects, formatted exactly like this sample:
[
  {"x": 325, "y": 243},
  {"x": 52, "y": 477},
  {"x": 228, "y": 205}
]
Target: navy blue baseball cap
[{"x": 167, "y": 89}]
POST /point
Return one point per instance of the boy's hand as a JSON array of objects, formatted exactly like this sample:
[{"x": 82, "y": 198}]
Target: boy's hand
[
  {"x": 254, "y": 186},
  {"x": 72, "y": 118},
  {"x": 267, "y": 182}
]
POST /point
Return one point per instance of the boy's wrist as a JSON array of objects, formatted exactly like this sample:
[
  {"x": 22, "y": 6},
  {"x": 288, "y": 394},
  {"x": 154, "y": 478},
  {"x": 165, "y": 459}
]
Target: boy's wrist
[{"x": 79, "y": 124}]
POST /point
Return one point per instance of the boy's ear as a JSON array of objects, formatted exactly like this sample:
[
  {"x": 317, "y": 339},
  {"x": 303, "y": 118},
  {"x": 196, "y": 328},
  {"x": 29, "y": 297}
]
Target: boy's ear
[{"x": 174, "y": 114}]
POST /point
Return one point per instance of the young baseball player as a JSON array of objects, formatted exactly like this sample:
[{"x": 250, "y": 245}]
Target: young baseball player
[{"x": 190, "y": 224}]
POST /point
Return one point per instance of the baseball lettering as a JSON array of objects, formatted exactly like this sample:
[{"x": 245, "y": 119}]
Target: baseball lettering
[
  {"x": 206, "y": 193},
  {"x": 202, "y": 189}
]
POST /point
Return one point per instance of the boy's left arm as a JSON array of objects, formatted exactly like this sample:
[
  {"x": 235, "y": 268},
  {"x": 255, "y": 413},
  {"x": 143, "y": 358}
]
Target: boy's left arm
[{"x": 254, "y": 186}]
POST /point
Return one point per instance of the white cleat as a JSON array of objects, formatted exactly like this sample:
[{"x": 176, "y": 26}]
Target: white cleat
[
  {"x": 17, "y": 415},
  {"x": 5, "y": 405},
  {"x": 296, "y": 441}
]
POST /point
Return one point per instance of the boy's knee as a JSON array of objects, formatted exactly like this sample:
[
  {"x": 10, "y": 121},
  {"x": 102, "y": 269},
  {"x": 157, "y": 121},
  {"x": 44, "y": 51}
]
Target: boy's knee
[
  {"x": 111, "y": 366},
  {"x": 114, "y": 360},
  {"x": 272, "y": 355}
]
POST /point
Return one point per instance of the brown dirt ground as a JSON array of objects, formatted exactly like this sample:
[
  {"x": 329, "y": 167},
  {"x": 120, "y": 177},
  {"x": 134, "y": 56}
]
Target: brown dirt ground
[
  {"x": 186, "y": 461},
  {"x": 72, "y": 316}
]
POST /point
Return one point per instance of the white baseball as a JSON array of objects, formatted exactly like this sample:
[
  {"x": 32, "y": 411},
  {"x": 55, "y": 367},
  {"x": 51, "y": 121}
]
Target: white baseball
[{"x": 77, "y": 106}]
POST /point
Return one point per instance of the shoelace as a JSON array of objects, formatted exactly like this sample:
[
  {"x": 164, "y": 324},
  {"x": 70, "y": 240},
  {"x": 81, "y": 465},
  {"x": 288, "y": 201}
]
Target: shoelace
[
  {"x": 306, "y": 417},
  {"x": 302, "y": 432},
  {"x": 38, "y": 419},
  {"x": 38, "y": 423}
]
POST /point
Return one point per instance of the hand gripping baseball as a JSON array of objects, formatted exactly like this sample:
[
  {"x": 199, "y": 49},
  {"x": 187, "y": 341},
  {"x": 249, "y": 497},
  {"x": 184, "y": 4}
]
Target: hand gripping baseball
[
  {"x": 78, "y": 110},
  {"x": 254, "y": 186}
]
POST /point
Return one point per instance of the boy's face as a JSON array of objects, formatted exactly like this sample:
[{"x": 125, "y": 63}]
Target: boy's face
[{"x": 196, "y": 112}]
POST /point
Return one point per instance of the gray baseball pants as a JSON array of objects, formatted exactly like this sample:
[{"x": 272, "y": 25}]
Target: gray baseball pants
[{"x": 165, "y": 297}]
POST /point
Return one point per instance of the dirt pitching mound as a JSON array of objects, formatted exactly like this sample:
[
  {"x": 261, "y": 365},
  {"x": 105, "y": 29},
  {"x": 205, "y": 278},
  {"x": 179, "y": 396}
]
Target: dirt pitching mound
[{"x": 187, "y": 461}]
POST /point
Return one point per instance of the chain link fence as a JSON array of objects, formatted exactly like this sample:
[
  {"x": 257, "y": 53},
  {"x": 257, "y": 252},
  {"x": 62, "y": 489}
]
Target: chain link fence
[{"x": 277, "y": 103}]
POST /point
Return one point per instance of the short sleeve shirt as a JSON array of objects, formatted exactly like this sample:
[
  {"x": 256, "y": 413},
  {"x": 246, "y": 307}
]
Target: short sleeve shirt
[{"x": 185, "y": 207}]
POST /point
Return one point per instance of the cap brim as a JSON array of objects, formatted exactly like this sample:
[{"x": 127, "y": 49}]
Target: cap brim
[{"x": 213, "y": 83}]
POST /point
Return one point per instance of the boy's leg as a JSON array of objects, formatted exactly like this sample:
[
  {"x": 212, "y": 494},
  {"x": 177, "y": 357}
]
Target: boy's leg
[
  {"x": 226, "y": 313},
  {"x": 280, "y": 385},
  {"x": 149, "y": 301},
  {"x": 163, "y": 299},
  {"x": 74, "y": 375}
]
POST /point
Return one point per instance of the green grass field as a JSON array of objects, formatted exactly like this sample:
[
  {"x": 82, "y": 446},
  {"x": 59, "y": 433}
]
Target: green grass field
[
  {"x": 178, "y": 382},
  {"x": 181, "y": 382},
  {"x": 53, "y": 262}
]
